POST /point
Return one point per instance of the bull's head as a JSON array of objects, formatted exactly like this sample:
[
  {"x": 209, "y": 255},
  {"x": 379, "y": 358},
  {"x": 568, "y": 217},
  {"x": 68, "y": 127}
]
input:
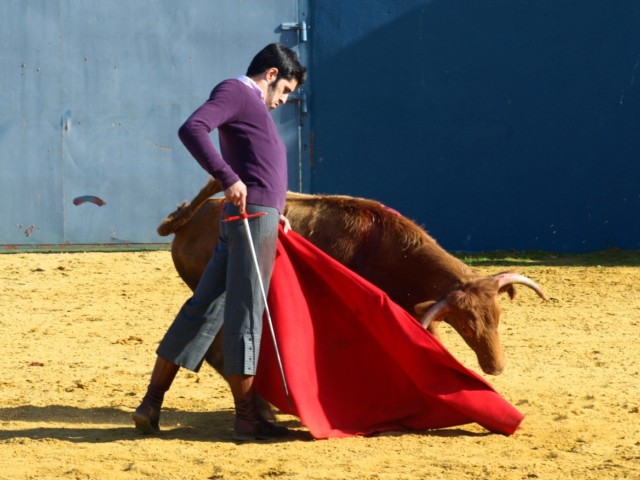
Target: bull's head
[{"x": 474, "y": 312}]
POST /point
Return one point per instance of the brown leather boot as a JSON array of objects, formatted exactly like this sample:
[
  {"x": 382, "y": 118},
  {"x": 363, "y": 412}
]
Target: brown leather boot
[
  {"x": 249, "y": 424},
  {"x": 147, "y": 416}
]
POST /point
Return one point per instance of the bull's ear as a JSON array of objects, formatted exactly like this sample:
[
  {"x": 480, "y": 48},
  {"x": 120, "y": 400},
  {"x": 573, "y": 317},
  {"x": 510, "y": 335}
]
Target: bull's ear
[
  {"x": 421, "y": 308},
  {"x": 507, "y": 288},
  {"x": 510, "y": 291}
]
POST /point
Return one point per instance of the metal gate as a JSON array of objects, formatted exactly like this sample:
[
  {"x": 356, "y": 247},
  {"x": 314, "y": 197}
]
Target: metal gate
[{"x": 93, "y": 93}]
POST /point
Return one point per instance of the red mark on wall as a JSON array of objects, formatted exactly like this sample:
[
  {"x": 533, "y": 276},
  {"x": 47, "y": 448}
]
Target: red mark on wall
[{"x": 27, "y": 230}]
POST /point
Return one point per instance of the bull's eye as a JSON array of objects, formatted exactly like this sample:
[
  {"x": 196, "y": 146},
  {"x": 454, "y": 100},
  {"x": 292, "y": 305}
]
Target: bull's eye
[{"x": 469, "y": 329}]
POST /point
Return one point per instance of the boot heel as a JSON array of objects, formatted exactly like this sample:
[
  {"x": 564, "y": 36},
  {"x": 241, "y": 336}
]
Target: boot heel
[{"x": 144, "y": 423}]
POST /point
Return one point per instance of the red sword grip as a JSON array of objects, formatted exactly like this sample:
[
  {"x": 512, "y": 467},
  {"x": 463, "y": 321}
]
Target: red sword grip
[{"x": 242, "y": 216}]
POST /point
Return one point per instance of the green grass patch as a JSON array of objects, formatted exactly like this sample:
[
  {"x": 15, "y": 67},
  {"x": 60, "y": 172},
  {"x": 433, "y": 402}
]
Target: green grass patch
[{"x": 510, "y": 258}]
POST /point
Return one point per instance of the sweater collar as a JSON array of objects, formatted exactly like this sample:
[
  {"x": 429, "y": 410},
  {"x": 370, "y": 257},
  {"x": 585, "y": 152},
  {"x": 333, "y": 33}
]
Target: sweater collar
[{"x": 251, "y": 84}]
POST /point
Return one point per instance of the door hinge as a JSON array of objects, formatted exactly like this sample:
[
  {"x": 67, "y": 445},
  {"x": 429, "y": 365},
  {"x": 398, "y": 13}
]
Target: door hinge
[
  {"x": 302, "y": 28},
  {"x": 301, "y": 99}
]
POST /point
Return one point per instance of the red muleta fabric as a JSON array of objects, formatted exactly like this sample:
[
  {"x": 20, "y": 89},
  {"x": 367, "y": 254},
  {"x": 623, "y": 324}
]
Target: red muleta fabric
[{"x": 357, "y": 363}]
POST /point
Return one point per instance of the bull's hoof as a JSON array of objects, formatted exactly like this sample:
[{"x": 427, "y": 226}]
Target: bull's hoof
[{"x": 145, "y": 422}]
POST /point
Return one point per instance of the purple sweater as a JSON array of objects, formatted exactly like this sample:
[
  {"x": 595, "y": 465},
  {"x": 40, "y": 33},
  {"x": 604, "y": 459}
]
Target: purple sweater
[{"x": 251, "y": 147}]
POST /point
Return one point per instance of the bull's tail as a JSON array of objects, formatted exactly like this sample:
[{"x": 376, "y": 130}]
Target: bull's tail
[{"x": 185, "y": 211}]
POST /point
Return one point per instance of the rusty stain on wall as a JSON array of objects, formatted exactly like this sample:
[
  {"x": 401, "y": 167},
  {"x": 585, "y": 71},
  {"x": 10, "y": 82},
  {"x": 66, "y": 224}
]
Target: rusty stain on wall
[{"x": 28, "y": 231}]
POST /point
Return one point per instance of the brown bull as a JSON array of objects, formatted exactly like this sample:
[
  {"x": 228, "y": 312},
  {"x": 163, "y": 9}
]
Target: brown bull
[{"x": 380, "y": 245}]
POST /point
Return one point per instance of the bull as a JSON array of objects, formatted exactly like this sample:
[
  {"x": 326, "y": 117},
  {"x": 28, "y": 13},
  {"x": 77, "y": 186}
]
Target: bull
[{"x": 379, "y": 244}]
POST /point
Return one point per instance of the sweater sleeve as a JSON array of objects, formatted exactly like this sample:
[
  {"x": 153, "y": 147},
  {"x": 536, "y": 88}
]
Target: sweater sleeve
[{"x": 195, "y": 132}]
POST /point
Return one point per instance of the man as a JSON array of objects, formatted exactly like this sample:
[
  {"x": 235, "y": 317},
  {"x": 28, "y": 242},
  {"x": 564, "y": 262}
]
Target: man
[{"x": 252, "y": 168}]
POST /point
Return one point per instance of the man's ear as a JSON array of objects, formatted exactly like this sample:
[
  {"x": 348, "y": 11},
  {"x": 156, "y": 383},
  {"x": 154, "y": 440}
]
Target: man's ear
[{"x": 272, "y": 75}]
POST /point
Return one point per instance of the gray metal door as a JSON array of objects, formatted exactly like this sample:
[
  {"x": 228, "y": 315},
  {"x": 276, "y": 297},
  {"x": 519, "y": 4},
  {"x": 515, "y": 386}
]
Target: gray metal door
[{"x": 93, "y": 93}]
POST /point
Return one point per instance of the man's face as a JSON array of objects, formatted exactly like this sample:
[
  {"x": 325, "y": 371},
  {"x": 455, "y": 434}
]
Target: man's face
[{"x": 278, "y": 92}]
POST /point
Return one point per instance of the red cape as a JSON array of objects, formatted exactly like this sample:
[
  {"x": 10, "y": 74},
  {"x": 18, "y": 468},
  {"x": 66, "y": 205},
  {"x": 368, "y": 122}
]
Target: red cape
[{"x": 355, "y": 362}]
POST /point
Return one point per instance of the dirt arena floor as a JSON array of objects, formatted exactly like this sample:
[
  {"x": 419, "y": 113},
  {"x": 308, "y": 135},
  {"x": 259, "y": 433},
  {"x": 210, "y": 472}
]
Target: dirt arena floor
[{"x": 79, "y": 331}]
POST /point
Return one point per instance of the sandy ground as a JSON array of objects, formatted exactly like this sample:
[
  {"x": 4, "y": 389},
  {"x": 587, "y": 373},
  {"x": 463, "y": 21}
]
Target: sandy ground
[{"x": 79, "y": 332}]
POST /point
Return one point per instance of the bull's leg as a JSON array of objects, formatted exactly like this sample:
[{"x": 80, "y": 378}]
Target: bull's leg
[
  {"x": 433, "y": 328},
  {"x": 214, "y": 355},
  {"x": 147, "y": 415}
]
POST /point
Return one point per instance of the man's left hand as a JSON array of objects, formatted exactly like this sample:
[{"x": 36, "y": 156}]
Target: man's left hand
[{"x": 285, "y": 223}]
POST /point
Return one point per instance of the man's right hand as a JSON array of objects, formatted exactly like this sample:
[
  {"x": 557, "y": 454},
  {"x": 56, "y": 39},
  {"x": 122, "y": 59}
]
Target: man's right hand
[{"x": 237, "y": 194}]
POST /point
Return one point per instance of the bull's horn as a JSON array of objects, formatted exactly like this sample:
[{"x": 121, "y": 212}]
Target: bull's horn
[
  {"x": 505, "y": 279},
  {"x": 435, "y": 313}
]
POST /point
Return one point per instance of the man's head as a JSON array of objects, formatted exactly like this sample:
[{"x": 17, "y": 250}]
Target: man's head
[{"x": 278, "y": 72}]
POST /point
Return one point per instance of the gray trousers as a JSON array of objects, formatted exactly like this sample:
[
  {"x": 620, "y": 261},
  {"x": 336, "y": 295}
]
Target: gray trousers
[{"x": 228, "y": 294}]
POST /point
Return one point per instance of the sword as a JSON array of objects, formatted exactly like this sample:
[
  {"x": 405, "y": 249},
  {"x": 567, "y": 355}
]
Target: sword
[{"x": 245, "y": 220}]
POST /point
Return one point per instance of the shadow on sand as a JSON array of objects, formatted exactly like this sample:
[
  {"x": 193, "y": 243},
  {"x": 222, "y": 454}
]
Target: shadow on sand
[{"x": 176, "y": 424}]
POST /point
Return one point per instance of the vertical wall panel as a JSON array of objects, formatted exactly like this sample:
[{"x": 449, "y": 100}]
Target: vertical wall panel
[
  {"x": 92, "y": 96},
  {"x": 496, "y": 124},
  {"x": 30, "y": 186}
]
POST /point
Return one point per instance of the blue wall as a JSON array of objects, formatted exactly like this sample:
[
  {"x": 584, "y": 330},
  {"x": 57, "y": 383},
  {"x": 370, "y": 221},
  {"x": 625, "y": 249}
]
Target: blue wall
[{"x": 497, "y": 125}]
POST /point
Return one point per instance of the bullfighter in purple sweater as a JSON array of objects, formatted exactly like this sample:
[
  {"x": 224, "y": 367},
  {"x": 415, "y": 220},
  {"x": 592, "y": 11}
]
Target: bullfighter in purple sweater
[{"x": 252, "y": 168}]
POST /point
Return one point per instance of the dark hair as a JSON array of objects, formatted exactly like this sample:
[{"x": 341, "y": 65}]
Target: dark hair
[{"x": 280, "y": 57}]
